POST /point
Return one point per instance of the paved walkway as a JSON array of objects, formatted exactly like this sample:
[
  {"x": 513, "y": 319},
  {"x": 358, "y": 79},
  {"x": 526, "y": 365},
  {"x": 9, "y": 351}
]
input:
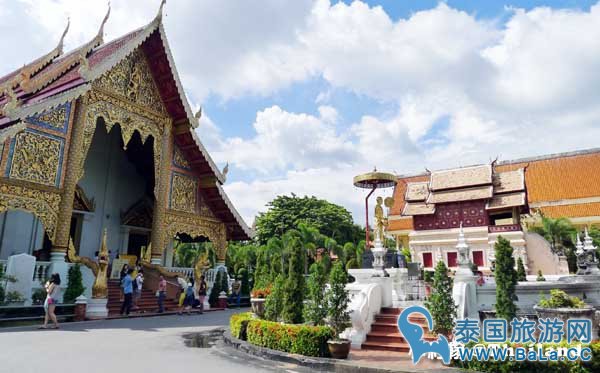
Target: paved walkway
[{"x": 144, "y": 345}]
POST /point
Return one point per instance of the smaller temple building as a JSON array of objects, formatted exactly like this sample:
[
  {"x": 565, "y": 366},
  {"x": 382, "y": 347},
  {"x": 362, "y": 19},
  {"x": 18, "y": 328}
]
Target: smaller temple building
[{"x": 501, "y": 198}]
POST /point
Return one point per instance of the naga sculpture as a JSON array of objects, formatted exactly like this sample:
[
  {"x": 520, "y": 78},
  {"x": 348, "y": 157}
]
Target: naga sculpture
[
  {"x": 99, "y": 268},
  {"x": 201, "y": 264}
]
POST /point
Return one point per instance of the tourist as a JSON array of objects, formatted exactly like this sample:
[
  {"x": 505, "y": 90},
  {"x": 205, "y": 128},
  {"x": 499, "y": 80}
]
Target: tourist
[
  {"x": 52, "y": 296},
  {"x": 188, "y": 300},
  {"x": 127, "y": 286},
  {"x": 137, "y": 287},
  {"x": 122, "y": 275},
  {"x": 480, "y": 279},
  {"x": 182, "y": 287},
  {"x": 202, "y": 289},
  {"x": 236, "y": 291},
  {"x": 161, "y": 293}
]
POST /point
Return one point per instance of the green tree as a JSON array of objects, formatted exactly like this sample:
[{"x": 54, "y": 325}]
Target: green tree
[
  {"x": 337, "y": 300},
  {"x": 262, "y": 273},
  {"x": 74, "y": 284},
  {"x": 274, "y": 302},
  {"x": 440, "y": 303},
  {"x": 315, "y": 310},
  {"x": 287, "y": 212},
  {"x": 293, "y": 296},
  {"x": 557, "y": 232},
  {"x": 521, "y": 274},
  {"x": 224, "y": 282},
  {"x": 308, "y": 236},
  {"x": 243, "y": 277},
  {"x": 506, "y": 280},
  {"x": 213, "y": 298}
]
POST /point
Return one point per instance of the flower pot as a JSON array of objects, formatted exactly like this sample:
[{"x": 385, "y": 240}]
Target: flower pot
[
  {"x": 258, "y": 306},
  {"x": 565, "y": 314},
  {"x": 339, "y": 349}
]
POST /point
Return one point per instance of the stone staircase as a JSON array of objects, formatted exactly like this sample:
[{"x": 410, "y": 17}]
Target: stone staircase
[
  {"x": 384, "y": 334},
  {"x": 147, "y": 302}
]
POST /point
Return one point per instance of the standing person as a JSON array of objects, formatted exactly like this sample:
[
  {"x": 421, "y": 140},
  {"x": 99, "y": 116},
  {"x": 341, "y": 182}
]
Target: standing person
[
  {"x": 202, "y": 289},
  {"x": 122, "y": 275},
  {"x": 52, "y": 296},
  {"x": 137, "y": 287},
  {"x": 182, "y": 287},
  {"x": 127, "y": 284},
  {"x": 236, "y": 289},
  {"x": 188, "y": 301},
  {"x": 162, "y": 291}
]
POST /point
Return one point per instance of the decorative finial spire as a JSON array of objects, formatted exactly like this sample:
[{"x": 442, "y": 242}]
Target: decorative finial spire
[
  {"x": 579, "y": 245},
  {"x": 225, "y": 171},
  {"x": 198, "y": 114},
  {"x": 62, "y": 38},
  {"x": 101, "y": 30},
  {"x": 160, "y": 9},
  {"x": 462, "y": 242}
]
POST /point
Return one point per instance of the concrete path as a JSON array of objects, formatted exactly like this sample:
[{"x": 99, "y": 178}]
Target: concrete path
[{"x": 141, "y": 345}]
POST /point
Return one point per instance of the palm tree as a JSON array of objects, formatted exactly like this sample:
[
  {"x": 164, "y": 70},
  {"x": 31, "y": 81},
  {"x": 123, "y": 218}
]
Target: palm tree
[
  {"x": 557, "y": 232},
  {"x": 308, "y": 241}
]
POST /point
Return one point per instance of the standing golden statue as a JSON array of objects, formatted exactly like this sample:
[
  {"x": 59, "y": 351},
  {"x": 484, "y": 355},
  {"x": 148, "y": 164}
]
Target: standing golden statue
[
  {"x": 201, "y": 265},
  {"x": 99, "y": 268},
  {"x": 381, "y": 221}
]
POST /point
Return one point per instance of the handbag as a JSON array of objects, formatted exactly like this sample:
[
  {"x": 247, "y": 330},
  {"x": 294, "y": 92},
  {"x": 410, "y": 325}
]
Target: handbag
[{"x": 158, "y": 293}]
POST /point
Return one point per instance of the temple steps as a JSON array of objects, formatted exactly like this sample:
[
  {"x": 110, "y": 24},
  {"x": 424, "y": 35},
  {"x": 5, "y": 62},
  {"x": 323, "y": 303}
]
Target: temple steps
[
  {"x": 384, "y": 334},
  {"x": 147, "y": 303}
]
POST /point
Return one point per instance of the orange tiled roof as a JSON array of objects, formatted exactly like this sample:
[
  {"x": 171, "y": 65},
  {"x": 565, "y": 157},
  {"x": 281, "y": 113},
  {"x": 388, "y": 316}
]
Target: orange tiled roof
[
  {"x": 561, "y": 177},
  {"x": 572, "y": 211},
  {"x": 400, "y": 191},
  {"x": 401, "y": 224}
]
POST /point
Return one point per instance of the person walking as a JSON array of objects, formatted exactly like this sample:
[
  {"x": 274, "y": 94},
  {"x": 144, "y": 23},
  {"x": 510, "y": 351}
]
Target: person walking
[
  {"x": 122, "y": 275},
  {"x": 182, "y": 287},
  {"x": 236, "y": 291},
  {"x": 127, "y": 285},
  {"x": 52, "y": 296},
  {"x": 161, "y": 293},
  {"x": 188, "y": 300},
  {"x": 202, "y": 289},
  {"x": 137, "y": 288}
]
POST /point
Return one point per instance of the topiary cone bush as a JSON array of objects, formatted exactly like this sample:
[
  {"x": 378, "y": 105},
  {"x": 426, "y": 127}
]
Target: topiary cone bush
[
  {"x": 315, "y": 310},
  {"x": 440, "y": 303},
  {"x": 337, "y": 300},
  {"x": 521, "y": 275},
  {"x": 213, "y": 298},
  {"x": 74, "y": 284},
  {"x": 293, "y": 290},
  {"x": 274, "y": 302},
  {"x": 506, "y": 280},
  {"x": 243, "y": 276}
]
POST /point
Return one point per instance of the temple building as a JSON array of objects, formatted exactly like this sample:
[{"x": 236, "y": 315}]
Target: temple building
[
  {"x": 103, "y": 137},
  {"x": 502, "y": 198}
]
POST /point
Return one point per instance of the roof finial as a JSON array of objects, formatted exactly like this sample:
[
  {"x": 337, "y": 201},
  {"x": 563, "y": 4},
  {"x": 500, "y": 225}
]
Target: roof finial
[
  {"x": 101, "y": 31},
  {"x": 198, "y": 114},
  {"x": 160, "y": 9},
  {"x": 62, "y": 38}
]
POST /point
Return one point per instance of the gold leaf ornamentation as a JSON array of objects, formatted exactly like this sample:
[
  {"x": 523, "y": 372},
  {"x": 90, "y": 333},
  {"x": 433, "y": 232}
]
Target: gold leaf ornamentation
[
  {"x": 184, "y": 190},
  {"x": 36, "y": 158}
]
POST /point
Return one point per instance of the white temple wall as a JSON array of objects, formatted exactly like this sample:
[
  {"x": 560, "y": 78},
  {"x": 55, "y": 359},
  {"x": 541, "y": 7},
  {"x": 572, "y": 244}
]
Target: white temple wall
[
  {"x": 114, "y": 184},
  {"x": 21, "y": 232}
]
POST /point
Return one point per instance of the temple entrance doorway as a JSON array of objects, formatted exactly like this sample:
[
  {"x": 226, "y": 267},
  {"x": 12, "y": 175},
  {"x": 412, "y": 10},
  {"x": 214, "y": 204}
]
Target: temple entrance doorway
[{"x": 119, "y": 180}]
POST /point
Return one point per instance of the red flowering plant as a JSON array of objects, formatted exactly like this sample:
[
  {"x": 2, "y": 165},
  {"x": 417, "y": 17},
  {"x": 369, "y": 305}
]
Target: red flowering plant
[{"x": 260, "y": 293}]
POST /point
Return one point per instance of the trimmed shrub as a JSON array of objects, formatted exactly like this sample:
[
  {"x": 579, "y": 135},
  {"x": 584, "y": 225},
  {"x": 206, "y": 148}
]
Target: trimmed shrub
[
  {"x": 540, "y": 276},
  {"x": 315, "y": 310},
  {"x": 213, "y": 298},
  {"x": 261, "y": 274},
  {"x": 293, "y": 290},
  {"x": 337, "y": 299},
  {"x": 38, "y": 296},
  {"x": 560, "y": 299},
  {"x": 74, "y": 284},
  {"x": 274, "y": 302},
  {"x": 238, "y": 324},
  {"x": 243, "y": 277},
  {"x": 440, "y": 302},
  {"x": 506, "y": 280},
  {"x": 521, "y": 275},
  {"x": 296, "y": 339}
]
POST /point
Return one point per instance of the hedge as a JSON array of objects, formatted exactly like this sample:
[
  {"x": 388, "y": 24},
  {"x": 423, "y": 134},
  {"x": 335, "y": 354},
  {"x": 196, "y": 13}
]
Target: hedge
[
  {"x": 238, "y": 324},
  {"x": 296, "y": 339},
  {"x": 536, "y": 366}
]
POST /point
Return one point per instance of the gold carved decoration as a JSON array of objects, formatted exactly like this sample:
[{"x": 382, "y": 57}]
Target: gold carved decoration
[
  {"x": 194, "y": 226},
  {"x": 132, "y": 80},
  {"x": 184, "y": 190},
  {"x": 43, "y": 204},
  {"x": 139, "y": 214},
  {"x": 179, "y": 160},
  {"x": 99, "y": 268},
  {"x": 81, "y": 202},
  {"x": 36, "y": 158},
  {"x": 203, "y": 209},
  {"x": 130, "y": 119},
  {"x": 56, "y": 118}
]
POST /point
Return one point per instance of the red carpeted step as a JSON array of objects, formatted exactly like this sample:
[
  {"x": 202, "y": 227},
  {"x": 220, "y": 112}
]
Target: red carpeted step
[{"x": 386, "y": 346}]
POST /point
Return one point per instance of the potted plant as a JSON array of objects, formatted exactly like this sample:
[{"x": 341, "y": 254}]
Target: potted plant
[
  {"x": 564, "y": 307},
  {"x": 258, "y": 297},
  {"x": 337, "y": 300},
  {"x": 428, "y": 280}
]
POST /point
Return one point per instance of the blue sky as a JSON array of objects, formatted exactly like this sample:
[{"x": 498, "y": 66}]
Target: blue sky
[{"x": 300, "y": 96}]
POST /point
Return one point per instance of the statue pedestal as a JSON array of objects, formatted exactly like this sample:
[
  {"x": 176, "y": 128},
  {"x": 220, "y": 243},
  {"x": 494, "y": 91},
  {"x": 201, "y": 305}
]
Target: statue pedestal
[
  {"x": 464, "y": 294},
  {"x": 96, "y": 309}
]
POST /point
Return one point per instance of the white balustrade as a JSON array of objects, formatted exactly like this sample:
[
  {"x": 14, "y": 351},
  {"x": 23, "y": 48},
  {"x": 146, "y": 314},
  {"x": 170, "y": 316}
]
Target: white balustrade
[
  {"x": 40, "y": 273},
  {"x": 188, "y": 272}
]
